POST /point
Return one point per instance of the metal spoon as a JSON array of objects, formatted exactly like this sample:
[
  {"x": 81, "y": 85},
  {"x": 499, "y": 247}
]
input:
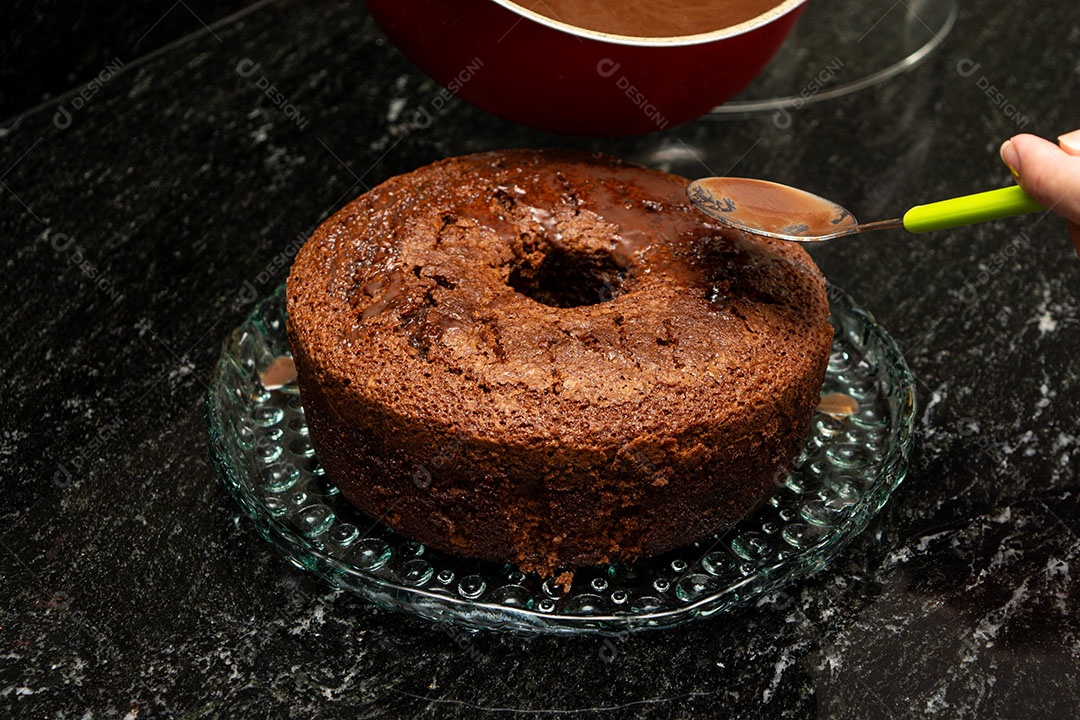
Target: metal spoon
[{"x": 778, "y": 211}]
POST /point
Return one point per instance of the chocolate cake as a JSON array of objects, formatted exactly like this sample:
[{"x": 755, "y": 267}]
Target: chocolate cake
[{"x": 551, "y": 359}]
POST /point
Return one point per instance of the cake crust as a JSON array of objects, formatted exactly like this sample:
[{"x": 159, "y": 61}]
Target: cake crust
[{"x": 551, "y": 359}]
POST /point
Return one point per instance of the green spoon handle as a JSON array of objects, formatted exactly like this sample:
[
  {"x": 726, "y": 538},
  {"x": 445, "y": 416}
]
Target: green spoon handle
[{"x": 970, "y": 209}]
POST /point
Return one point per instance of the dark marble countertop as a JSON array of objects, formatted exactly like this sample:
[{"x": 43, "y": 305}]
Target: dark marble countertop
[
  {"x": 48, "y": 46},
  {"x": 132, "y": 234}
]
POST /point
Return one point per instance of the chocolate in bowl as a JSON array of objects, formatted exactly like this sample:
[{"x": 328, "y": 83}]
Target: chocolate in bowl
[{"x": 539, "y": 71}]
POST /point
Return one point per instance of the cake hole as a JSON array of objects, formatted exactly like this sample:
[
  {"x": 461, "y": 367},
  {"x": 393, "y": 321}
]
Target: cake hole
[{"x": 566, "y": 280}]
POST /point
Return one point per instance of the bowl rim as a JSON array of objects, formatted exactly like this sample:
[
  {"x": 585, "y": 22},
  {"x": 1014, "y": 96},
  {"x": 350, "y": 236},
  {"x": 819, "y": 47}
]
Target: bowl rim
[{"x": 774, "y": 13}]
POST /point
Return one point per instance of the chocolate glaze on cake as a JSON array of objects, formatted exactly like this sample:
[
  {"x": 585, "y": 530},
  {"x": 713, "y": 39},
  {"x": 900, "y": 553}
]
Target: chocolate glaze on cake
[{"x": 551, "y": 359}]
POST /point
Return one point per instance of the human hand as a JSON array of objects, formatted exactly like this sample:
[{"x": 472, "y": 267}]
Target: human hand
[{"x": 1049, "y": 173}]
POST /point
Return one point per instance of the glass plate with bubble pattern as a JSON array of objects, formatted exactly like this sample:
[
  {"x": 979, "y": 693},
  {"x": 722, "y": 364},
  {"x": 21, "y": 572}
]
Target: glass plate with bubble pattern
[{"x": 843, "y": 476}]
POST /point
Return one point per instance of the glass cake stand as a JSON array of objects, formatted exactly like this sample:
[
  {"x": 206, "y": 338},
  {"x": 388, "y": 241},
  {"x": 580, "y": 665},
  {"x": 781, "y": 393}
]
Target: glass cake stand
[
  {"x": 844, "y": 475},
  {"x": 842, "y": 46}
]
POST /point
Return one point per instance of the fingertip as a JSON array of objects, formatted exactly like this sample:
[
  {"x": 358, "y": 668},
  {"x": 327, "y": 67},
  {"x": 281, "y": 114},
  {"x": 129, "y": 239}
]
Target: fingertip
[
  {"x": 1026, "y": 142},
  {"x": 1016, "y": 150},
  {"x": 1070, "y": 142},
  {"x": 1010, "y": 157},
  {"x": 1050, "y": 175}
]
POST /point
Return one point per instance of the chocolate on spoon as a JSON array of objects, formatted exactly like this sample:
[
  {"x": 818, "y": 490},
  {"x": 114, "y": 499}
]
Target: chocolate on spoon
[{"x": 779, "y": 211}]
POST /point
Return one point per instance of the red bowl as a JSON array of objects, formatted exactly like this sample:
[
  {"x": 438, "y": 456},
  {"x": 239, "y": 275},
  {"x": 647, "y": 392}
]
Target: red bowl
[{"x": 540, "y": 72}]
